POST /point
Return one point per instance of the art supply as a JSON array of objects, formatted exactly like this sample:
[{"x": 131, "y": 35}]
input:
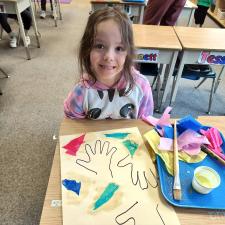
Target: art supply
[
  {"x": 205, "y": 179},
  {"x": 176, "y": 184},
  {"x": 109, "y": 179}
]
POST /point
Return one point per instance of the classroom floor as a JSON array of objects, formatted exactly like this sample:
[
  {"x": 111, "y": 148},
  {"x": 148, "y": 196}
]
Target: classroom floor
[{"x": 31, "y": 109}]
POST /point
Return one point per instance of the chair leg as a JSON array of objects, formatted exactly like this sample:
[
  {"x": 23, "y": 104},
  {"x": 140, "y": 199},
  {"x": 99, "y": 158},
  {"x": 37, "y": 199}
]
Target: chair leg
[
  {"x": 154, "y": 80},
  {"x": 158, "y": 86},
  {"x": 211, "y": 96},
  {"x": 5, "y": 74},
  {"x": 221, "y": 74},
  {"x": 203, "y": 80},
  {"x": 1, "y": 32}
]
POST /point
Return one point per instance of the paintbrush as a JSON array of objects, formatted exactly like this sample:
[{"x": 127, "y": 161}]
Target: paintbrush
[
  {"x": 213, "y": 154},
  {"x": 176, "y": 183}
]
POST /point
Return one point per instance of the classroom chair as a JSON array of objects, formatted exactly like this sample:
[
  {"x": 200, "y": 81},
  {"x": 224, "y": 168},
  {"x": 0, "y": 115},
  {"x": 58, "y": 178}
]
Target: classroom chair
[
  {"x": 6, "y": 76},
  {"x": 197, "y": 75},
  {"x": 1, "y": 70},
  {"x": 151, "y": 69},
  {"x": 18, "y": 34}
]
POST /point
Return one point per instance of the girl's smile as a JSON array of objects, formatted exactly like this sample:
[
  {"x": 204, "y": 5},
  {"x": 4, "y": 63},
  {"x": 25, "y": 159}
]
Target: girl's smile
[{"x": 108, "y": 54}]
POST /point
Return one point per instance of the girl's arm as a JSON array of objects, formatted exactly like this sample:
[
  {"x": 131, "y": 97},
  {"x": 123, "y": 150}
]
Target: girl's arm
[
  {"x": 73, "y": 105},
  {"x": 146, "y": 105}
]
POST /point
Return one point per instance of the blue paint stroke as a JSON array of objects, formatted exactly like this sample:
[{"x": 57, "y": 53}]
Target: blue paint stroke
[
  {"x": 131, "y": 146},
  {"x": 106, "y": 195},
  {"x": 117, "y": 135},
  {"x": 72, "y": 185}
]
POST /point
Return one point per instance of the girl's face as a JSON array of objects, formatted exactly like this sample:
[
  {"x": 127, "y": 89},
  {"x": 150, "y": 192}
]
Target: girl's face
[{"x": 108, "y": 54}]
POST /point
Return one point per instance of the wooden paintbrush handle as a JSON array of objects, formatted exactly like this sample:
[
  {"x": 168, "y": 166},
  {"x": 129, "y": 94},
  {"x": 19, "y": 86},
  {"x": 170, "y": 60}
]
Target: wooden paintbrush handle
[{"x": 175, "y": 149}]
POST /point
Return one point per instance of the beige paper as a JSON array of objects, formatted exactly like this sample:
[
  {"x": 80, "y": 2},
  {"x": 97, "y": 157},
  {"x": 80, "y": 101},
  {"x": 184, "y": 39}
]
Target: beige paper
[{"x": 100, "y": 161}]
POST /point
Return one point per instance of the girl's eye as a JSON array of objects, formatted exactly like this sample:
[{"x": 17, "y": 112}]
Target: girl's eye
[
  {"x": 120, "y": 49},
  {"x": 99, "y": 46}
]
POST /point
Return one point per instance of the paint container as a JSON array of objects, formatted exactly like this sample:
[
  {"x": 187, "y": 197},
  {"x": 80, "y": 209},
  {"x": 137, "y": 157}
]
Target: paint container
[{"x": 205, "y": 179}]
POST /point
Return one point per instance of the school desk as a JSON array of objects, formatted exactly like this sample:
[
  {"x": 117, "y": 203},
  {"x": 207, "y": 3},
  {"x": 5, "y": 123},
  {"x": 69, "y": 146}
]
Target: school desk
[
  {"x": 135, "y": 9},
  {"x": 52, "y": 211},
  {"x": 157, "y": 44},
  {"x": 187, "y": 14},
  {"x": 200, "y": 46},
  {"x": 16, "y": 7}
]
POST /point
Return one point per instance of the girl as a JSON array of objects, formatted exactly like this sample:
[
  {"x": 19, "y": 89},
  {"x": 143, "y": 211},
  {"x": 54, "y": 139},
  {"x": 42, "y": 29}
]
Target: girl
[{"x": 110, "y": 87}]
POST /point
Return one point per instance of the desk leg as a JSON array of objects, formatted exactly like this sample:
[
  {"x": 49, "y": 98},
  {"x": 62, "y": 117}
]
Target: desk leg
[
  {"x": 141, "y": 13},
  {"x": 55, "y": 12},
  {"x": 222, "y": 74},
  {"x": 191, "y": 17},
  {"x": 158, "y": 85},
  {"x": 59, "y": 9},
  {"x": 22, "y": 32},
  {"x": 168, "y": 80},
  {"x": 177, "y": 79},
  {"x": 34, "y": 25}
]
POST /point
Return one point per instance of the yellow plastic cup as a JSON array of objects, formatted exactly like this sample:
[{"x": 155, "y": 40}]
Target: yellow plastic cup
[{"x": 205, "y": 179}]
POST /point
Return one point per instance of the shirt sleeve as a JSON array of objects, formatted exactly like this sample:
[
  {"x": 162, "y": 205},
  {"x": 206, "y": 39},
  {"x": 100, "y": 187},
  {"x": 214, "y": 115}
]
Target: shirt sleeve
[
  {"x": 73, "y": 104},
  {"x": 146, "y": 105}
]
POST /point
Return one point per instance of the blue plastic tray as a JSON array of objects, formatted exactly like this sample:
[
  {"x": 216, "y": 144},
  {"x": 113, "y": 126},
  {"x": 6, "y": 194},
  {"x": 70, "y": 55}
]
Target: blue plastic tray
[{"x": 190, "y": 198}]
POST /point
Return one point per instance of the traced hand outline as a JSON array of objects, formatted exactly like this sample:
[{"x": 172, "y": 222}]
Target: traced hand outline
[
  {"x": 103, "y": 152},
  {"x": 138, "y": 175},
  {"x": 129, "y": 214}
]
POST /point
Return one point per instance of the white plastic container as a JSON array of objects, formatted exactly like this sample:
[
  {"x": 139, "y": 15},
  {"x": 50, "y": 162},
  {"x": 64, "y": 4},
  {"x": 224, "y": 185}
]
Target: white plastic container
[{"x": 205, "y": 179}]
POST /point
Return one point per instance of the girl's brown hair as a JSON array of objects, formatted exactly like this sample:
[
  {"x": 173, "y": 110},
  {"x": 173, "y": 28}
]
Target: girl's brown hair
[{"x": 87, "y": 41}]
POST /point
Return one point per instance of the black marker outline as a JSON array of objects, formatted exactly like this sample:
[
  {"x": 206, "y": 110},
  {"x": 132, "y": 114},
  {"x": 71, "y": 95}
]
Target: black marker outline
[
  {"x": 138, "y": 179},
  {"x": 132, "y": 218},
  {"x": 109, "y": 150},
  {"x": 160, "y": 214}
]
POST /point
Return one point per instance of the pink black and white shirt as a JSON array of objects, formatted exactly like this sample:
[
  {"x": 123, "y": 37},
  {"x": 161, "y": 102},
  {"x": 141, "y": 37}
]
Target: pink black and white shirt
[{"x": 98, "y": 101}]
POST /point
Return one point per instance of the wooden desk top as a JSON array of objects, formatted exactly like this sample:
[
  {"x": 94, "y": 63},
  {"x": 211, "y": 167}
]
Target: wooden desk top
[
  {"x": 53, "y": 215},
  {"x": 201, "y": 38},
  {"x": 155, "y": 37}
]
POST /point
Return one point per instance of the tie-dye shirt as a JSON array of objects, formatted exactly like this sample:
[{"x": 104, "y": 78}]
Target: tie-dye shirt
[{"x": 98, "y": 101}]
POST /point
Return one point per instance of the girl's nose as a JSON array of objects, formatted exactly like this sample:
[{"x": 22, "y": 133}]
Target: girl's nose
[{"x": 109, "y": 55}]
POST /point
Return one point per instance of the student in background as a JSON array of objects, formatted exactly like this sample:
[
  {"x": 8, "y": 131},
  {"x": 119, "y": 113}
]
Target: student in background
[
  {"x": 200, "y": 15},
  {"x": 201, "y": 11},
  {"x": 110, "y": 87},
  {"x": 163, "y": 12},
  {"x": 27, "y": 21},
  {"x": 43, "y": 9}
]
